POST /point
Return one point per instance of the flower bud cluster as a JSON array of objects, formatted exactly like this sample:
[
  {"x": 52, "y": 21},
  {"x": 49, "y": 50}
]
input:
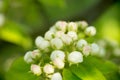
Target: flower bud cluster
[{"x": 60, "y": 45}]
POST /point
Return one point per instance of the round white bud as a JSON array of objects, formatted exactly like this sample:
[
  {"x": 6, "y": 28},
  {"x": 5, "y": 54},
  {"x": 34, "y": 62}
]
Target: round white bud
[
  {"x": 75, "y": 57},
  {"x": 82, "y": 24},
  {"x": 58, "y": 63},
  {"x": 94, "y": 49},
  {"x": 61, "y": 25},
  {"x": 86, "y": 50},
  {"x": 73, "y": 35},
  {"x": 59, "y": 34},
  {"x": 49, "y": 35},
  {"x": 48, "y": 69},
  {"x": 72, "y": 26},
  {"x": 66, "y": 39},
  {"x": 39, "y": 40},
  {"x": 90, "y": 31},
  {"x": 56, "y": 43},
  {"x": 35, "y": 54},
  {"x": 81, "y": 43},
  {"x": 44, "y": 45},
  {"x": 28, "y": 58},
  {"x": 57, "y": 54},
  {"x": 36, "y": 69},
  {"x": 56, "y": 76}
]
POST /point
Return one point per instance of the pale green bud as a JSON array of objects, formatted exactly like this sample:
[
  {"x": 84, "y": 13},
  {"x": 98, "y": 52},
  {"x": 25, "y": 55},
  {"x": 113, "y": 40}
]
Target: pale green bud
[
  {"x": 49, "y": 35},
  {"x": 75, "y": 57},
  {"x": 57, "y": 54},
  {"x": 81, "y": 43},
  {"x": 48, "y": 69},
  {"x": 90, "y": 31},
  {"x": 56, "y": 43},
  {"x": 86, "y": 50},
  {"x": 58, "y": 63},
  {"x": 61, "y": 25},
  {"x": 66, "y": 39},
  {"x": 72, "y": 26},
  {"x": 2, "y": 19},
  {"x": 73, "y": 35},
  {"x": 36, "y": 69},
  {"x": 56, "y": 76}
]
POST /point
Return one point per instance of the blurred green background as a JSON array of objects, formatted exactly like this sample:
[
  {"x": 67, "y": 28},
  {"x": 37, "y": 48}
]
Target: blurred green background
[{"x": 21, "y": 21}]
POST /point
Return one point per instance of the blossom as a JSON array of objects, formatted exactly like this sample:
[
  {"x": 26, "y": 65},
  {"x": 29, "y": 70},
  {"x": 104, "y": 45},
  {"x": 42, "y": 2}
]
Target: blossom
[
  {"x": 36, "y": 69},
  {"x": 48, "y": 69},
  {"x": 56, "y": 76}
]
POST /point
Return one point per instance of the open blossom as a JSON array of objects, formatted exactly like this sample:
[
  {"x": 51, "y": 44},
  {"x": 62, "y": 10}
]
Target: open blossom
[
  {"x": 36, "y": 69},
  {"x": 48, "y": 69},
  {"x": 58, "y": 63},
  {"x": 75, "y": 57},
  {"x": 57, "y": 54},
  {"x": 56, "y": 76}
]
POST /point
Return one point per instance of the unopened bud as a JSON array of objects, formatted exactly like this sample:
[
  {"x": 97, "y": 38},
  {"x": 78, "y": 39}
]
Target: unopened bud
[
  {"x": 57, "y": 54},
  {"x": 39, "y": 40},
  {"x": 58, "y": 63},
  {"x": 61, "y": 25},
  {"x": 82, "y": 24},
  {"x": 81, "y": 43},
  {"x": 86, "y": 50},
  {"x": 66, "y": 39},
  {"x": 75, "y": 57},
  {"x": 49, "y": 35},
  {"x": 56, "y": 76},
  {"x": 59, "y": 34},
  {"x": 90, "y": 31},
  {"x": 28, "y": 58},
  {"x": 56, "y": 43},
  {"x": 72, "y": 26},
  {"x": 73, "y": 35},
  {"x": 48, "y": 69},
  {"x": 94, "y": 48},
  {"x": 36, "y": 54},
  {"x": 36, "y": 69}
]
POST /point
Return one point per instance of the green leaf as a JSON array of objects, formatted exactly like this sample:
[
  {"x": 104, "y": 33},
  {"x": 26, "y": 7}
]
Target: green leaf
[
  {"x": 68, "y": 75},
  {"x": 20, "y": 71}
]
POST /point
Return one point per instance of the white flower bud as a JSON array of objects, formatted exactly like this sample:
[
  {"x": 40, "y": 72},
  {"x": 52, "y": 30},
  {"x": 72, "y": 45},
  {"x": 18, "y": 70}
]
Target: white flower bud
[
  {"x": 44, "y": 45},
  {"x": 35, "y": 54},
  {"x": 66, "y": 39},
  {"x": 72, "y": 26},
  {"x": 49, "y": 35},
  {"x": 102, "y": 52},
  {"x": 81, "y": 43},
  {"x": 28, "y": 58},
  {"x": 58, "y": 63},
  {"x": 94, "y": 49},
  {"x": 56, "y": 76},
  {"x": 48, "y": 69},
  {"x": 61, "y": 25},
  {"x": 82, "y": 24},
  {"x": 39, "y": 40},
  {"x": 59, "y": 34},
  {"x": 56, "y": 43},
  {"x": 73, "y": 35},
  {"x": 75, "y": 57},
  {"x": 53, "y": 29},
  {"x": 90, "y": 31},
  {"x": 86, "y": 50},
  {"x": 2, "y": 19},
  {"x": 57, "y": 54},
  {"x": 36, "y": 69}
]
